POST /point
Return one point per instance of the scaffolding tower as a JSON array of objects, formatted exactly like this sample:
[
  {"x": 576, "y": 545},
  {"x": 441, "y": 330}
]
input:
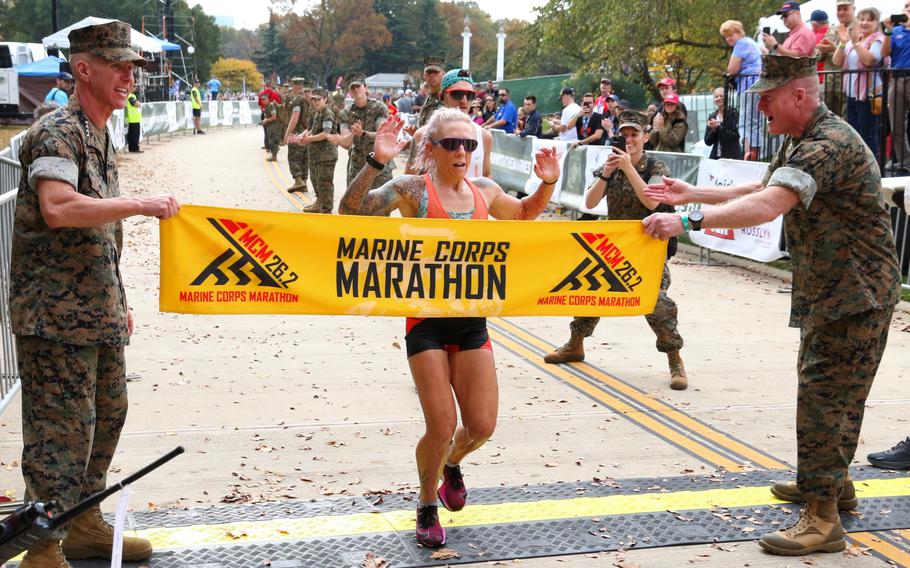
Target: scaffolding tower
[{"x": 174, "y": 73}]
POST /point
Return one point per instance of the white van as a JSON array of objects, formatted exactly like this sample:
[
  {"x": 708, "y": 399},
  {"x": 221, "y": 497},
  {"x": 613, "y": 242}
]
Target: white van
[{"x": 23, "y": 53}]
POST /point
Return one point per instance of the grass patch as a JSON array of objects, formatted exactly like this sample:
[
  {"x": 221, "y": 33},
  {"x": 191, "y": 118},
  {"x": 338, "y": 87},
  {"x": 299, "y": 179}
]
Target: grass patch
[{"x": 8, "y": 132}]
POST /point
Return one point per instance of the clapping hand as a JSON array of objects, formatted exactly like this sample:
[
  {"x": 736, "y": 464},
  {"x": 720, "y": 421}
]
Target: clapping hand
[
  {"x": 387, "y": 145},
  {"x": 357, "y": 129},
  {"x": 712, "y": 123},
  {"x": 659, "y": 121},
  {"x": 670, "y": 191},
  {"x": 546, "y": 164}
]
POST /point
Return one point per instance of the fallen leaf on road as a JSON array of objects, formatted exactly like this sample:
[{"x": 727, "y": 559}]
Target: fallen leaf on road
[{"x": 444, "y": 554}]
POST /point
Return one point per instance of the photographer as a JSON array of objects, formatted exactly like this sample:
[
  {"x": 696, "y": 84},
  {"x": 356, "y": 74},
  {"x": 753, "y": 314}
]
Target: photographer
[
  {"x": 669, "y": 127},
  {"x": 588, "y": 124},
  {"x": 622, "y": 181}
]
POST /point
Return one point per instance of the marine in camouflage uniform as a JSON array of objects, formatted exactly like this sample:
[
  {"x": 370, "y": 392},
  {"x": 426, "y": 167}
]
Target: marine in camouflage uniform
[
  {"x": 68, "y": 308},
  {"x": 433, "y": 68},
  {"x": 832, "y": 87},
  {"x": 298, "y": 108},
  {"x": 846, "y": 282},
  {"x": 273, "y": 130},
  {"x": 624, "y": 204},
  {"x": 369, "y": 116},
  {"x": 322, "y": 153}
]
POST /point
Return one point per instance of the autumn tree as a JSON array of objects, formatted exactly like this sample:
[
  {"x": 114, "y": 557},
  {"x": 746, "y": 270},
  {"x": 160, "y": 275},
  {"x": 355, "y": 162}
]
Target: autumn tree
[
  {"x": 333, "y": 36},
  {"x": 239, "y": 44},
  {"x": 646, "y": 39},
  {"x": 234, "y": 74}
]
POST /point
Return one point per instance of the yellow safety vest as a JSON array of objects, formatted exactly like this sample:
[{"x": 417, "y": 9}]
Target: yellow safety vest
[
  {"x": 194, "y": 96},
  {"x": 133, "y": 114}
]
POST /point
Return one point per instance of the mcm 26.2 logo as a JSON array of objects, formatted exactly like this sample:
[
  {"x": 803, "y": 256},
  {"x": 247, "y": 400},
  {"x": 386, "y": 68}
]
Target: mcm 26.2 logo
[
  {"x": 604, "y": 267},
  {"x": 248, "y": 254}
]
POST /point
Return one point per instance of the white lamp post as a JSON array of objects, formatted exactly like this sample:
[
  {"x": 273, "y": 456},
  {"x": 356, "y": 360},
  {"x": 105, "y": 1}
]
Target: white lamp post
[
  {"x": 466, "y": 46},
  {"x": 500, "y": 53}
]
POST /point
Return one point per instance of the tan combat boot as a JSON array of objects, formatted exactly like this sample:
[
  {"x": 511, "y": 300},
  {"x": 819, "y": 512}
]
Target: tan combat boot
[
  {"x": 788, "y": 491},
  {"x": 45, "y": 554},
  {"x": 573, "y": 351},
  {"x": 818, "y": 530},
  {"x": 299, "y": 185},
  {"x": 678, "y": 379},
  {"x": 272, "y": 158},
  {"x": 316, "y": 207},
  {"x": 91, "y": 537}
]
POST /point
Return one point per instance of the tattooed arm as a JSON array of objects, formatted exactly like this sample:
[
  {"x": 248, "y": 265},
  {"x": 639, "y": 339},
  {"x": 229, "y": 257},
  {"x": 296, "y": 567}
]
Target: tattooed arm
[{"x": 358, "y": 199}]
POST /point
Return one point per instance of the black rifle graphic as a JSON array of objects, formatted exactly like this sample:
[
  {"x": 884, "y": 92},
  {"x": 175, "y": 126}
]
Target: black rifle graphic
[{"x": 36, "y": 521}]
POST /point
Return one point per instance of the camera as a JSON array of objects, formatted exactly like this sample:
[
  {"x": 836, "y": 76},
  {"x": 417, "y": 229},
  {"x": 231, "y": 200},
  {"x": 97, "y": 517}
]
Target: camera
[
  {"x": 897, "y": 19},
  {"x": 618, "y": 141}
]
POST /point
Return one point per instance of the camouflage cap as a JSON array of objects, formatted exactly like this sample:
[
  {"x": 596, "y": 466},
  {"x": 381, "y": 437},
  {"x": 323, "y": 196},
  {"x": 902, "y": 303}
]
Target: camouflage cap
[
  {"x": 321, "y": 93},
  {"x": 356, "y": 79},
  {"x": 778, "y": 70},
  {"x": 298, "y": 81},
  {"x": 434, "y": 62},
  {"x": 633, "y": 119},
  {"x": 110, "y": 41},
  {"x": 844, "y": 2}
]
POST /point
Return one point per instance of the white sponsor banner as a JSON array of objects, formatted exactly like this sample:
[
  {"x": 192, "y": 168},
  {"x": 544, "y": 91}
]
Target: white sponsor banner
[
  {"x": 188, "y": 115},
  {"x": 533, "y": 181},
  {"x": 596, "y": 157},
  {"x": 760, "y": 243},
  {"x": 227, "y": 110},
  {"x": 246, "y": 114},
  {"x": 171, "y": 108}
]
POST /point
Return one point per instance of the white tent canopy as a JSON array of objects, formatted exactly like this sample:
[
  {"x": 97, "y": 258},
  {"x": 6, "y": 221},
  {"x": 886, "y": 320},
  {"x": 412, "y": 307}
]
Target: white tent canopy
[{"x": 139, "y": 41}]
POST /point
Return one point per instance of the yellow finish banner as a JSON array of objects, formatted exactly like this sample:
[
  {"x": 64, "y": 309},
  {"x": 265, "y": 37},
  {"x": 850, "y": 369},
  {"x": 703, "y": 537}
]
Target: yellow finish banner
[{"x": 238, "y": 261}]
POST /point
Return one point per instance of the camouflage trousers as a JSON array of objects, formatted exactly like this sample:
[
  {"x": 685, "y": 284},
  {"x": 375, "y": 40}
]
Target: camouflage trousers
[
  {"x": 356, "y": 163},
  {"x": 298, "y": 160},
  {"x": 322, "y": 175},
  {"x": 837, "y": 364},
  {"x": 74, "y": 405},
  {"x": 272, "y": 137},
  {"x": 662, "y": 320}
]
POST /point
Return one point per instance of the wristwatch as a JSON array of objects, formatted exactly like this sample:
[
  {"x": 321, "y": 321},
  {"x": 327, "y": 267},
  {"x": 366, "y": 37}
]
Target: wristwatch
[
  {"x": 371, "y": 159},
  {"x": 695, "y": 218}
]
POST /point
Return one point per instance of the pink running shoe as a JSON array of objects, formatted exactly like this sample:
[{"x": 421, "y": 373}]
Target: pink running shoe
[
  {"x": 429, "y": 532},
  {"x": 452, "y": 492}
]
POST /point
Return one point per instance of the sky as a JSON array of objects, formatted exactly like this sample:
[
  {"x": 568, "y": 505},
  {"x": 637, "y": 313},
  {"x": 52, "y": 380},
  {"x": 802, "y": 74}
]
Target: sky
[{"x": 250, "y": 13}]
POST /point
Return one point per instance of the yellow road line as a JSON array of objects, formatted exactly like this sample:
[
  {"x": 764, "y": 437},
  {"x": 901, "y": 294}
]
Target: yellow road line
[
  {"x": 641, "y": 418},
  {"x": 272, "y": 172},
  {"x": 685, "y": 422},
  {"x": 883, "y": 547},
  {"x": 275, "y": 530}
]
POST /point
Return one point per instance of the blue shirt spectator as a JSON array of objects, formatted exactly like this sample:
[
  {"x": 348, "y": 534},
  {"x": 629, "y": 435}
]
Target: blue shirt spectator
[
  {"x": 214, "y": 86},
  {"x": 900, "y": 47},
  {"x": 60, "y": 93},
  {"x": 746, "y": 49},
  {"x": 506, "y": 117},
  {"x": 533, "y": 121}
]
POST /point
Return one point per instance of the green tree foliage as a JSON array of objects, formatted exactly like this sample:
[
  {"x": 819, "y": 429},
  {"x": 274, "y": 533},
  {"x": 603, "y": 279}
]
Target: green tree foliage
[
  {"x": 416, "y": 29},
  {"x": 238, "y": 44},
  {"x": 272, "y": 57},
  {"x": 645, "y": 39}
]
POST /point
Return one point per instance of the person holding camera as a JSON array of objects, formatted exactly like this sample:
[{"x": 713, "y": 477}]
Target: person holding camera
[
  {"x": 721, "y": 133},
  {"x": 588, "y": 125},
  {"x": 897, "y": 46},
  {"x": 622, "y": 181},
  {"x": 669, "y": 126}
]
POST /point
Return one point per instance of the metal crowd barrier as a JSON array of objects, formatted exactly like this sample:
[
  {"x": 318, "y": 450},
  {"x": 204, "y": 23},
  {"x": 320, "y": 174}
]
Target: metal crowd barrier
[{"x": 9, "y": 369}]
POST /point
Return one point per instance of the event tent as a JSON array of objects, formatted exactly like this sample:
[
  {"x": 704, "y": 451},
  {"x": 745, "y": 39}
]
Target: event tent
[
  {"x": 48, "y": 67},
  {"x": 139, "y": 41}
]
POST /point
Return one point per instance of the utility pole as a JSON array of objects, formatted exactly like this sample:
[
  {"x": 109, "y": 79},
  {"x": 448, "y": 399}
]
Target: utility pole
[{"x": 53, "y": 16}]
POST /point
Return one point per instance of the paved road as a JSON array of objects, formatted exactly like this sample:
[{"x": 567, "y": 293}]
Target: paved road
[{"x": 277, "y": 407}]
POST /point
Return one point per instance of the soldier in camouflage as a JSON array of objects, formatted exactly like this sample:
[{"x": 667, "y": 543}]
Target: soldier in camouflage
[
  {"x": 359, "y": 123},
  {"x": 433, "y": 68},
  {"x": 297, "y": 107},
  {"x": 273, "y": 128},
  {"x": 622, "y": 181},
  {"x": 67, "y": 307},
  {"x": 846, "y": 281},
  {"x": 322, "y": 153}
]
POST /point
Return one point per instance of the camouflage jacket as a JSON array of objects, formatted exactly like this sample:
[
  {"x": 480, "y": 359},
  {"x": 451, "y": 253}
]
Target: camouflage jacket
[
  {"x": 622, "y": 202},
  {"x": 323, "y": 121},
  {"x": 432, "y": 103},
  {"x": 370, "y": 117},
  {"x": 302, "y": 105},
  {"x": 65, "y": 284},
  {"x": 839, "y": 235}
]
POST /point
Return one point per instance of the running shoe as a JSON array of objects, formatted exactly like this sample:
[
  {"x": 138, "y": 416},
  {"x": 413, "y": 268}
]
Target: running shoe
[
  {"x": 452, "y": 492},
  {"x": 429, "y": 532}
]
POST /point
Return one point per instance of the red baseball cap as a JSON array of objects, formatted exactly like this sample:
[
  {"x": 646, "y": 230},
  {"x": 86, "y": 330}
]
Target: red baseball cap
[
  {"x": 672, "y": 98},
  {"x": 787, "y": 8},
  {"x": 667, "y": 81}
]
